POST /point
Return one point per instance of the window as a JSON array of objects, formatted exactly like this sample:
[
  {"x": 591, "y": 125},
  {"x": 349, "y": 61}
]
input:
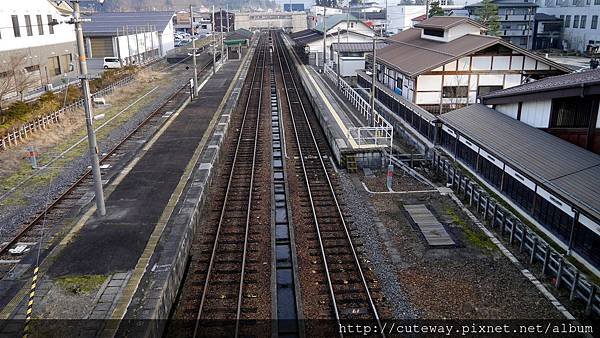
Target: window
[
  {"x": 16, "y": 28},
  {"x": 50, "y": 24},
  {"x": 484, "y": 90},
  {"x": 583, "y": 21},
  {"x": 552, "y": 218},
  {"x": 28, "y": 25},
  {"x": 594, "y": 22},
  {"x": 490, "y": 172},
  {"x": 468, "y": 155},
  {"x": 399, "y": 82},
  {"x": 576, "y": 21},
  {"x": 518, "y": 192},
  {"x": 567, "y": 21},
  {"x": 54, "y": 65},
  {"x": 571, "y": 112},
  {"x": 32, "y": 68},
  {"x": 596, "y": 2},
  {"x": 434, "y": 32},
  {"x": 40, "y": 25},
  {"x": 455, "y": 91}
]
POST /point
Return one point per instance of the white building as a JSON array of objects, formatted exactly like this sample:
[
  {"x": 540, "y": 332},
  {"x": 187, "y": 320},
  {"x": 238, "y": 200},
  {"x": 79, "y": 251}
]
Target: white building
[
  {"x": 35, "y": 44},
  {"x": 445, "y": 63},
  {"x": 134, "y": 37},
  {"x": 580, "y": 18},
  {"x": 400, "y": 17}
]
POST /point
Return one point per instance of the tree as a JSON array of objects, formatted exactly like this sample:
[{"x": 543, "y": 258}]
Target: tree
[
  {"x": 6, "y": 86},
  {"x": 435, "y": 10},
  {"x": 488, "y": 17}
]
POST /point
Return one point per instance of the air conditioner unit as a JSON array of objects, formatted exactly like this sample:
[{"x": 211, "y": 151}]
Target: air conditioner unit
[{"x": 49, "y": 87}]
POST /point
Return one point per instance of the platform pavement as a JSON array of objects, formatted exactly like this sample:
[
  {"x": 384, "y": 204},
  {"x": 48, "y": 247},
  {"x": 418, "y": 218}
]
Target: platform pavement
[{"x": 114, "y": 244}]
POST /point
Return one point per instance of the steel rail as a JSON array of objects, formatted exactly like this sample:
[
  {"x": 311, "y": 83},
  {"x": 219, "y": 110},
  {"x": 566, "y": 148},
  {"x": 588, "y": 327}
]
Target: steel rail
[
  {"x": 86, "y": 173},
  {"x": 328, "y": 179},
  {"x": 226, "y": 198}
]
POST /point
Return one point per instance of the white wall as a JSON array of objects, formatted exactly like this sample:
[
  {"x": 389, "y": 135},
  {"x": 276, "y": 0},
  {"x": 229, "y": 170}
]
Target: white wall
[
  {"x": 509, "y": 109},
  {"x": 317, "y": 46},
  {"x": 166, "y": 38},
  {"x": 62, "y": 32},
  {"x": 400, "y": 17},
  {"x": 536, "y": 113}
]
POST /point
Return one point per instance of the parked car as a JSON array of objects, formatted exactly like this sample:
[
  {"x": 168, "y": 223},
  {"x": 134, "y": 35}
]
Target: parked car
[{"x": 111, "y": 62}]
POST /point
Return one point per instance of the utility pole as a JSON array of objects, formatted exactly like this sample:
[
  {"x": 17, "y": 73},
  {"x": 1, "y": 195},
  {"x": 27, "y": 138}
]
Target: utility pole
[
  {"x": 324, "y": 37},
  {"x": 85, "y": 86},
  {"x": 193, "y": 52},
  {"x": 426, "y": 9},
  {"x": 222, "y": 39},
  {"x": 227, "y": 11},
  {"x": 373, "y": 79},
  {"x": 338, "y": 58},
  {"x": 214, "y": 40}
]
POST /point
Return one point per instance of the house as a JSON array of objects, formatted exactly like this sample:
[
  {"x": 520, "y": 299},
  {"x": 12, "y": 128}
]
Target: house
[
  {"x": 340, "y": 28},
  {"x": 444, "y": 63},
  {"x": 37, "y": 46},
  {"x": 566, "y": 106},
  {"x": 351, "y": 56},
  {"x": 133, "y": 37},
  {"x": 580, "y": 20},
  {"x": 224, "y": 21},
  {"x": 516, "y": 19}
]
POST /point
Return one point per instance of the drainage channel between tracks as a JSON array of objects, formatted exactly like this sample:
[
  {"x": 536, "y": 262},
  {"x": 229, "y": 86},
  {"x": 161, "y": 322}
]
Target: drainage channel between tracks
[{"x": 287, "y": 306}]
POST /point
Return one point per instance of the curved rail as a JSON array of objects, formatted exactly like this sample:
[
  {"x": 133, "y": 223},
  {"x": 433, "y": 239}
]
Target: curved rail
[{"x": 291, "y": 86}]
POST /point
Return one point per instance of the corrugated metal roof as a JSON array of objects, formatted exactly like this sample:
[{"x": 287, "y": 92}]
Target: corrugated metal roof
[
  {"x": 107, "y": 23},
  {"x": 573, "y": 80},
  {"x": 569, "y": 171},
  {"x": 445, "y": 22},
  {"x": 356, "y": 47}
]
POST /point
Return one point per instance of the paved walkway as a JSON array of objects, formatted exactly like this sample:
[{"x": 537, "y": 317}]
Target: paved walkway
[{"x": 136, "y": 201}]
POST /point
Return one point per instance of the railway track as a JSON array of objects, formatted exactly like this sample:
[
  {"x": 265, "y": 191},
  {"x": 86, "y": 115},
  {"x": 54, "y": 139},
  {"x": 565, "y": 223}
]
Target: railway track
[
  {"x": 228, "y": 267},
  {"x": 349, "y": 295},
  {"x": 45, "y": 225}
]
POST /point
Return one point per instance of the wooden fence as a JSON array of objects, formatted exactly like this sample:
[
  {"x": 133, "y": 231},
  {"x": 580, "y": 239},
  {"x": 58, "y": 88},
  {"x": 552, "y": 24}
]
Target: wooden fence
[
  {"x": 539, "y": 252},
  {"x": 17, "y": 135}
]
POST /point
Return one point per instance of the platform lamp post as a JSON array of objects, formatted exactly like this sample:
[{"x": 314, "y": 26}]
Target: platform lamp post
[
  {"x": 324, "y": 38},
  {"x": 373, "y": 79},
  {"x": 85, "y": 86},
  {"x": 338, "y": 57},
  {"x": 214, "y": 44}
]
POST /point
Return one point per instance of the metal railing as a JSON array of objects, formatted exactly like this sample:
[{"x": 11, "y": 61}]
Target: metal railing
[
  {"x": 382, "y": 133},
  {"x": 43, "y": 122},
  {"x": 553, "y": 264}
]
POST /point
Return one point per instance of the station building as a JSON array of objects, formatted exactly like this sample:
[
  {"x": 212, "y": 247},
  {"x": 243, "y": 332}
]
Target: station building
[
  {"x": 351, "y": 56},
  {"x": 445, "y": 63},
  {"x": 566, "y": 106},
  {"x": 553, "y": 183}
]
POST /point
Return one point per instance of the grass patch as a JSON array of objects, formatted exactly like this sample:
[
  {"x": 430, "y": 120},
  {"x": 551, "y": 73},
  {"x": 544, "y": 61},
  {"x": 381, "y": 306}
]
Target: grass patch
[
  {"x": 81, "y": 284},
  {"x": 476, "y": 238}
]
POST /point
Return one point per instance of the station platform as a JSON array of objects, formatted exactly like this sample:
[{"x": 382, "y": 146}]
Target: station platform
[
  {"x": 141, "y": 201},
  {"x": 347, "y": 131}
]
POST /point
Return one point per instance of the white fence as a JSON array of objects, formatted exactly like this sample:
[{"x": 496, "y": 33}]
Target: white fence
[
  {"x": 44, "y": 122},
  {"x": 381, "y": 133}
]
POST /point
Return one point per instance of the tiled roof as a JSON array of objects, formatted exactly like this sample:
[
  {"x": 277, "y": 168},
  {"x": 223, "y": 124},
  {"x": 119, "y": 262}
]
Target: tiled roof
[
  {"x": 356, "y": 46},
  {"x": 570, "y": 171}
]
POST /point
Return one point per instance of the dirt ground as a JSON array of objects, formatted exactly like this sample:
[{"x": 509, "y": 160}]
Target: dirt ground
[{"x": 471, "y": 280}]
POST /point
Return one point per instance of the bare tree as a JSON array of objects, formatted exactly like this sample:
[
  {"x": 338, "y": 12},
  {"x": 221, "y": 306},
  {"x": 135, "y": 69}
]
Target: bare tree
[
  {"x": 6, "y": 86},
  {"x": 22, "y": 78}
]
